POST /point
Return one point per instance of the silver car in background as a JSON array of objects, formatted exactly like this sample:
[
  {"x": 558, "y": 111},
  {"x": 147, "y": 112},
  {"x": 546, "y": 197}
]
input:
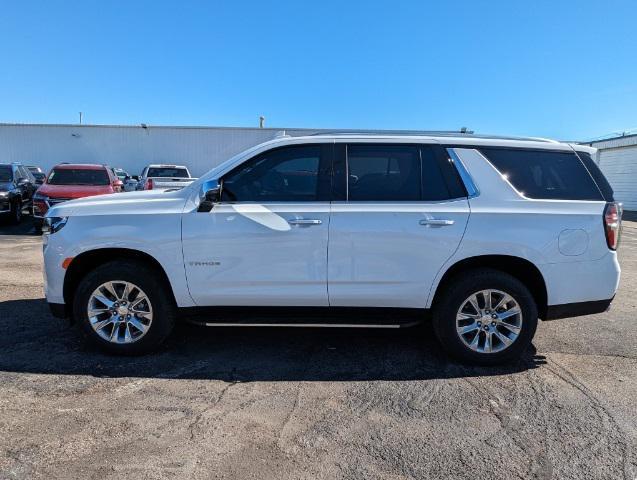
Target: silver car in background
[{"x": 163, "y": 177}]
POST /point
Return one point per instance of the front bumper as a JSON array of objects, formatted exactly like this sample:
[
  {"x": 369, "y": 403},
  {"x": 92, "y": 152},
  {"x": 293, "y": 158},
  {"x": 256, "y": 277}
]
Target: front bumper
[{"x": 5, "y": 205}]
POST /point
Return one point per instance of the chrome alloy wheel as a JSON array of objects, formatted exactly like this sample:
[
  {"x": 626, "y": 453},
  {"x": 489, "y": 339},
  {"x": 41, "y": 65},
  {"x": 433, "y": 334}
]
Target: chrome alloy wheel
[
  {"x": 119, "y": 312},
  {"x": 489, "y": 321}
]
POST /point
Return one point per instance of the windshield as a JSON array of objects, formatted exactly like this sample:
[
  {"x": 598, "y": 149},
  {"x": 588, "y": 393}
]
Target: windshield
[
  {"x": 77, "y": 176},
  {"x": 168, "y": 172},
  {"x": 6, "y": 175}
]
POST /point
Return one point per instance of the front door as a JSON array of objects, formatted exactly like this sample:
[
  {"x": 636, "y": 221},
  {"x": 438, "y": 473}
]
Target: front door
[
  {"x": 265, "y": 243},
  {"x": 402, "y": 214}
]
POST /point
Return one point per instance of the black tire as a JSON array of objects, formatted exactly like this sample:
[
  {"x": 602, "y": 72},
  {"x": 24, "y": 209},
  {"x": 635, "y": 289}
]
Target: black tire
[
  {"x": 16, "y": 211},
  {"x": 157, "y": 291},
  {"x": 458, "y": 290}
]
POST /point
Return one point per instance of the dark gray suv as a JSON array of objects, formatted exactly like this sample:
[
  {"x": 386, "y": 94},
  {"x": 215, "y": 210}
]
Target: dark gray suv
[{"x": 17, "y": 186}]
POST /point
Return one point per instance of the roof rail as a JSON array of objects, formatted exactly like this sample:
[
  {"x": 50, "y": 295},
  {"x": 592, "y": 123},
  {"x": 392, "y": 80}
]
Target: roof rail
[{"x": 432, "y": 133}]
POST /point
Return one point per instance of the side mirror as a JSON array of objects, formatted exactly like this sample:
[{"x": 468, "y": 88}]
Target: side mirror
[
  {"x": 23, "y": 181},
  {"x": 209, "y": 194}
]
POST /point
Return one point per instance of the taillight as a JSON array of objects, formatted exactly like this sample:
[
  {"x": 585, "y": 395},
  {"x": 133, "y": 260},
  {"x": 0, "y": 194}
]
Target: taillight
[
  {"x": 149, "y": 184},
  {"x": 613, "y": 224}
]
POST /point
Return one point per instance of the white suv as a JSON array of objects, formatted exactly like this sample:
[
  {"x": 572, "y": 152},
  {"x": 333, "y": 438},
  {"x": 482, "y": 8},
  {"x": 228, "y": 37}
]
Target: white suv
[{"x": 479, "y": 236}]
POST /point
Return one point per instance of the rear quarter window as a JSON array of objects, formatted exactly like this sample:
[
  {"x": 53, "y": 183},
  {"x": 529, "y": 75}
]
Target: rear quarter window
[{"x": 542, "y": 174}]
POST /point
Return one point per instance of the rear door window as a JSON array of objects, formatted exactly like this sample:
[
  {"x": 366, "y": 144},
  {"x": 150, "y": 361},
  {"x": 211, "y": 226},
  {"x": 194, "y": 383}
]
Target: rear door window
[
  {"x": 395, "y": 173},
  {"x": 383, "y": 173},
  {"x": 543, "y": 174}
]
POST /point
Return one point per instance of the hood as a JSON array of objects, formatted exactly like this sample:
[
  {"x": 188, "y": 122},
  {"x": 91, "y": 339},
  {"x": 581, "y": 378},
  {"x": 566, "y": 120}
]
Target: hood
[
  {"x": 73, "y": 191},
  {"x": 143, "y": 202}
]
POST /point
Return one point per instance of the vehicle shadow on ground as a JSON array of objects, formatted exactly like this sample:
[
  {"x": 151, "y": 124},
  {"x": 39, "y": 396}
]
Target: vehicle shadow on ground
[
  {"x": 25, "y": 227},
  {"x": 39, "y": 343}
]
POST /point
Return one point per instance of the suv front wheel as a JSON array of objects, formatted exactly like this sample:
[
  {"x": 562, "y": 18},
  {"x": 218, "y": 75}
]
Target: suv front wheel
[
  {"x": 485, "y": 317},
  {"x": 16, "y": 211},
  {"x": 123, "y": 307}
]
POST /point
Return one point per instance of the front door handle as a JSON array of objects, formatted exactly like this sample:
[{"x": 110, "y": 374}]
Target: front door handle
[
  {"x": 305, "y": 221},
  {"x": 436, "y": 222}
]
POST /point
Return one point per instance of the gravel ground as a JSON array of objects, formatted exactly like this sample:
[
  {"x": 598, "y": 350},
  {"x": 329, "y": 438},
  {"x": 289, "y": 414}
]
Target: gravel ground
[{"x": 301, "y": 403}]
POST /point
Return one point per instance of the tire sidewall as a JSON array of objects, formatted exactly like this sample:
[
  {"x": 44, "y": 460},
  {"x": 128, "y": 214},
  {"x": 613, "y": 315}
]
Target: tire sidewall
[
  {"x": 445, "y": 312},
  {"x": 146, "y": 279}
]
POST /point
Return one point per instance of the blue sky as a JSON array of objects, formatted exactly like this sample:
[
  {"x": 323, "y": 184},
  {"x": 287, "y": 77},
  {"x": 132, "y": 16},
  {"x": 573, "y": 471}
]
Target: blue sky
[{"x": 548, "y": 68}]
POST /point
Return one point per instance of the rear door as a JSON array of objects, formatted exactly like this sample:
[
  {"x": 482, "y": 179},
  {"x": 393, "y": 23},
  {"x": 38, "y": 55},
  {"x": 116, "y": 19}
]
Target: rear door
[{"x": 400, "y": 212}]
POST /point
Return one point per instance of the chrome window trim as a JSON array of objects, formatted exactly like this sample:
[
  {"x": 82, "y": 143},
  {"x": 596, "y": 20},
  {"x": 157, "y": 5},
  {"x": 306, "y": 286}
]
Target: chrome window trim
[{"x": 465, "y": 176}]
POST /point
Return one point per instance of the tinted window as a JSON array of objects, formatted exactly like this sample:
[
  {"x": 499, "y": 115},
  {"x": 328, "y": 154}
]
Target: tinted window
[
  {"x": 383, "y": 173},
  {"x": 597, "y": 175},
  {"x": 168, "y": 172},
  {"x": 77, "y": 176},
  {"x": 289, "y": 174},
  {"x": 545, "y": 174},
  {"x": 6, "y": 175},
  {"x": 434, "y": 186}
]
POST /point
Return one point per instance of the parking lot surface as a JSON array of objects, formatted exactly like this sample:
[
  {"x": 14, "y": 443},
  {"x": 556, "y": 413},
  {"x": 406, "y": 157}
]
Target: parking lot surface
[{"x": 311, "y": 403}]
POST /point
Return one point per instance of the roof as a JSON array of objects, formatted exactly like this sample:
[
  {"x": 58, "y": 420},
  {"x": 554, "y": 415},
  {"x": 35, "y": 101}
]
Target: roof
[
  {"x": 614, "y": 142},
  {"x": 165, "y": 165},
  {"x": 80, "y": 166},
  {"x": 446, "y": 134}
]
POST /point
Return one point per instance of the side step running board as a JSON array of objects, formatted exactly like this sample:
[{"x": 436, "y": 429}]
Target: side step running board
[{"x": 304, "y": 325}]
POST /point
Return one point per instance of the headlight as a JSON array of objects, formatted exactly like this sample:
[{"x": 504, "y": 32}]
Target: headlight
[
  {"x": 53, "y": 224},
  {"x": 3, "y": 194}
]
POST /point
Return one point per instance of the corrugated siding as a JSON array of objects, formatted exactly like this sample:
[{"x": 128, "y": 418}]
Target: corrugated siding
[
  {"x": 620, "y": 167},
  {"x": 131, "y": 148}
]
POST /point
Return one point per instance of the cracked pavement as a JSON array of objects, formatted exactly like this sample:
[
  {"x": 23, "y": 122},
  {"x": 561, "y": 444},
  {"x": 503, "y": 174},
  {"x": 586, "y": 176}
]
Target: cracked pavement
[{"x": 311, "y": 403}]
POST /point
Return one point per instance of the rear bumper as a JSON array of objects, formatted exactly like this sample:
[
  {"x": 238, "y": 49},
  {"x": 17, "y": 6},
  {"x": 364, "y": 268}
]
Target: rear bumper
[{"x": 567, "y": 310}]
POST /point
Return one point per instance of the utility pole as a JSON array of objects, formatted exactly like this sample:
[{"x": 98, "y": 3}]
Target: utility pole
[{"x": 80, "y": 118}]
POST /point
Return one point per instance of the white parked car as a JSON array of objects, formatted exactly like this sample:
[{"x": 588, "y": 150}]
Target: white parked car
[
  {"x": 162, "y": 177},
  {"x": 478, "y": 236}
]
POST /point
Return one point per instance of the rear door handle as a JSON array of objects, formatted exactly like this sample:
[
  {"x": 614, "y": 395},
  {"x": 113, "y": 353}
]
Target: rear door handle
[
  {"x": 305, "y": 221},
  {"x": 437, "y": 222}
]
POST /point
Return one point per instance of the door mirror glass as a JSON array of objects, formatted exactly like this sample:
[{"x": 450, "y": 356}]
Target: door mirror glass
[{"x": 209, "y": 194}]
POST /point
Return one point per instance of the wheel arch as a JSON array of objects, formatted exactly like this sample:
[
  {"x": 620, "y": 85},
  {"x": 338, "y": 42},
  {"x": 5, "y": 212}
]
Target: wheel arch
[
  {"x": 91, "y": 259},
  {"x": 520, "y": 268}
]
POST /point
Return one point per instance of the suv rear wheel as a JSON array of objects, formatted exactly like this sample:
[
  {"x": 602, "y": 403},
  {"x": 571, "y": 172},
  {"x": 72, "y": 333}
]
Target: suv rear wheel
[
  {"x": 123, "y": 308},
  {"x": 485, "y": 317}
]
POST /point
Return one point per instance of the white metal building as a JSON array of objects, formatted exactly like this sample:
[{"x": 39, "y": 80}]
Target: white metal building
[
  {"x": 617, "y": 157},
  {"x": 130, "y": 147}
]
